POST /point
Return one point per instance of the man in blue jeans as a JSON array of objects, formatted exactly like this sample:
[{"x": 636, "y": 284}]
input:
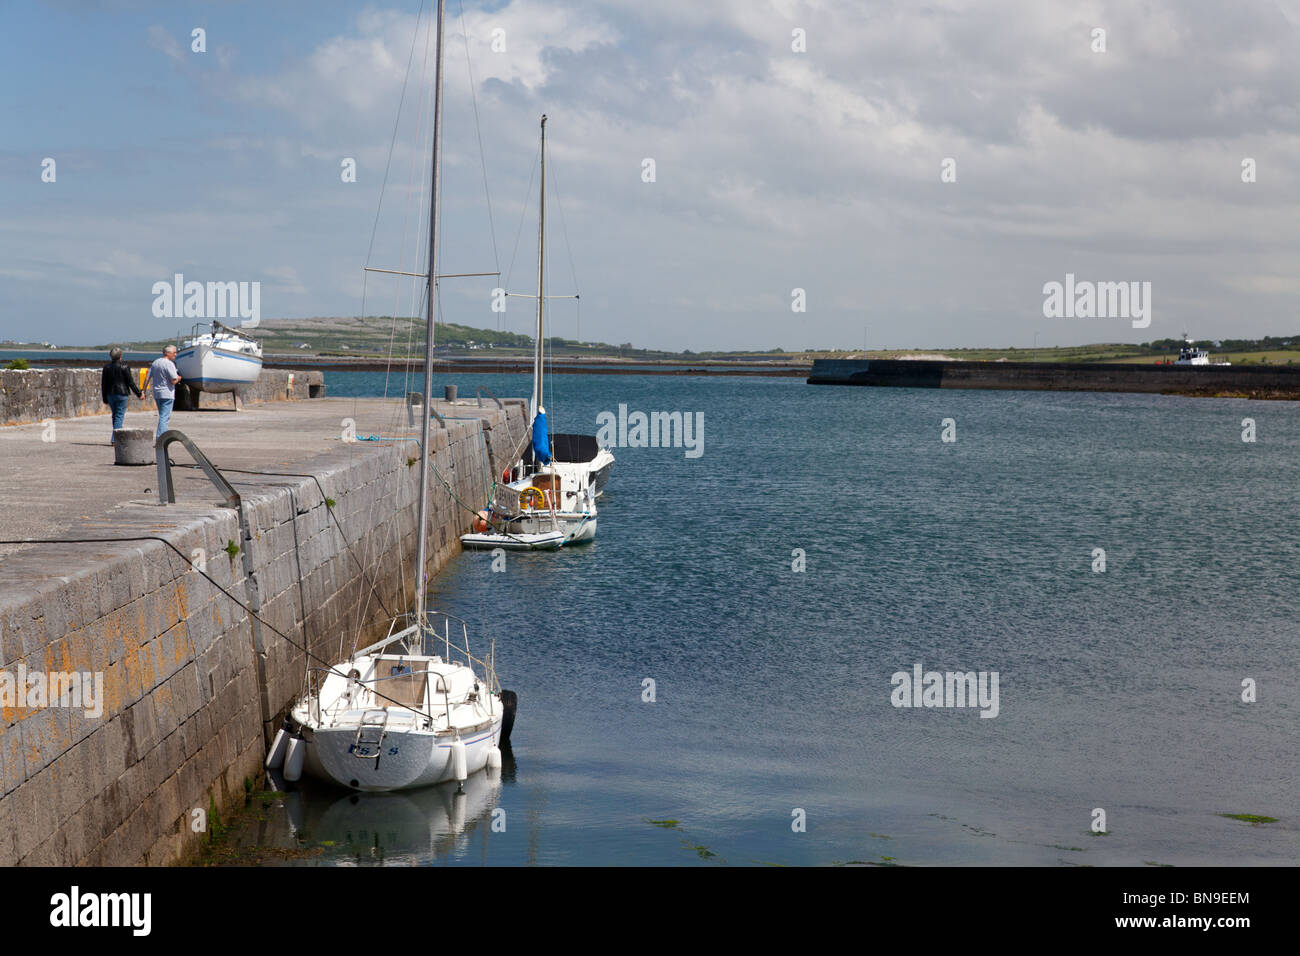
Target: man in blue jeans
[
  {"x": 116, "y": 384},
  {"x": 162, "y": 379}
]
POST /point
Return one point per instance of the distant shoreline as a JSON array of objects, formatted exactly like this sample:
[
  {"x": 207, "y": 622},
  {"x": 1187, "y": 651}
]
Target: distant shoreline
[{"x": 486, "y": 366}]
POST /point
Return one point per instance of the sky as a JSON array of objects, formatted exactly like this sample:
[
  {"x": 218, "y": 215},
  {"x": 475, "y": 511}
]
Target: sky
[{"x": 919, "y": 170}]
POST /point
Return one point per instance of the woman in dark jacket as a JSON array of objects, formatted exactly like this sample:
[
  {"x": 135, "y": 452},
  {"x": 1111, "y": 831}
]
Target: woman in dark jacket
[{"x": 115, "y": 386}]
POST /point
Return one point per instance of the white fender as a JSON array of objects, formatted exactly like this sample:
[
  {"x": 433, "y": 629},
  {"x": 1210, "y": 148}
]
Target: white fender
[
  {"x": 459, "y": 760},
  {"x": 494, "y": 758},
  {"x": 293, "y": 759},
  {"x": 275, "y": 758}
]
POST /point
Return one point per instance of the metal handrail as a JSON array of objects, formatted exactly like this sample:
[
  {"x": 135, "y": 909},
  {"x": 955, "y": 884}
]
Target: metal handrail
[
  {"x": 415, "y": 398},
  {"x": 446, "y": 699}
]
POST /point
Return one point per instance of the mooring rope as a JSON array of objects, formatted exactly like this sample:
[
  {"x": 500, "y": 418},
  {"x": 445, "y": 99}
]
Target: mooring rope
[{"x": 251, "y": 613}]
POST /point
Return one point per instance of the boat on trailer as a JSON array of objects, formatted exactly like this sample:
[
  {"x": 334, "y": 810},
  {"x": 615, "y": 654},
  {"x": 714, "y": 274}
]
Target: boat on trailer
[{"x": 220, "y": 359}]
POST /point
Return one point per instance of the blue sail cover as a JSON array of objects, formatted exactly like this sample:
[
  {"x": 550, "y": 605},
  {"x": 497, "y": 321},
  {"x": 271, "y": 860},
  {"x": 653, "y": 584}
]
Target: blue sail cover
[{"x": 541, "y": 440}]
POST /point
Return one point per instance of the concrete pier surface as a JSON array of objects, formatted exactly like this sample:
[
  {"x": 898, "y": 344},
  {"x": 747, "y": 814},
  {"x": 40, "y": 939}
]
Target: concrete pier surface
[
  {"x": 47, "y": 486},
  {"x": 195, "y": 668}
]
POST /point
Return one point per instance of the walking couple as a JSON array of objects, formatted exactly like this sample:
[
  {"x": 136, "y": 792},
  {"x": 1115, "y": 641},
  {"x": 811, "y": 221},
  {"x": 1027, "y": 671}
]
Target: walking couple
[{"x": 117, "y": 384}]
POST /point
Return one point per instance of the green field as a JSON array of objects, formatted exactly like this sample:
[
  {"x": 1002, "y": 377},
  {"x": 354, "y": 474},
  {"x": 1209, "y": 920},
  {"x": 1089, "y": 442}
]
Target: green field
[{"x": 378, "y": 336}]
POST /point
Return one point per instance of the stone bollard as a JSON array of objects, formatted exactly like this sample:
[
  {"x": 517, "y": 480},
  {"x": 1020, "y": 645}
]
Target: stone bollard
[{"x": 133, "y": 446}]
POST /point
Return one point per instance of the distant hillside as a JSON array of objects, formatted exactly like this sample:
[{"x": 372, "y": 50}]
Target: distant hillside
[
  {"x": 373, "y": 336},
  {"x": 404, "y": 336}
]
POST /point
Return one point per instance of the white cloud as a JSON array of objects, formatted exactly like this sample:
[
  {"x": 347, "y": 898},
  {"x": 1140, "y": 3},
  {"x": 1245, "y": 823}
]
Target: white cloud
[
  {"x": 777, "y": 168},
  {"x": 161, "y": 39}
]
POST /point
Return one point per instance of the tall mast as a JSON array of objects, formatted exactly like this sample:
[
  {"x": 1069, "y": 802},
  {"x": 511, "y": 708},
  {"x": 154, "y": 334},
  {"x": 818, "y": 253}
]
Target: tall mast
[
  {"x": 541, "y": 271},
  {"x": 421, "y": 555}
]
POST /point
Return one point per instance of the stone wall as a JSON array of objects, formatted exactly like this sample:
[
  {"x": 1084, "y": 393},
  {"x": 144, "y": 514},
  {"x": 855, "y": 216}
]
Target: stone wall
[
  {"x": 194, "y": 685},
  {"x": 39, "y": 394}
]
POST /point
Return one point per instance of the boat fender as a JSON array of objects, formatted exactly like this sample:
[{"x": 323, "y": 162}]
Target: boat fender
[
  {"x": 293, "y": 759},
  {"x": 509, "y": 704},
  {"x": 494, "y": 758},
  {"x": 459, "y": 760},
  {"x": 275, "y": 758}
]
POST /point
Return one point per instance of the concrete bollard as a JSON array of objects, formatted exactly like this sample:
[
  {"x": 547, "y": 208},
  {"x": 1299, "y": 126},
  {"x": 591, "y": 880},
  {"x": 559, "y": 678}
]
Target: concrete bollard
[{"x": 133, "y": 446}]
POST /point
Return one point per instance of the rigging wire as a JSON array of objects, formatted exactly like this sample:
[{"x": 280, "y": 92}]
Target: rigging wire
[
  {"x": 374, "y": 230},
  {"x": 197, "y": 570},
  {"x": 469, "y": 66},
  {"x": 523, "y": 209},
  {"x": 564, "y": 230}
]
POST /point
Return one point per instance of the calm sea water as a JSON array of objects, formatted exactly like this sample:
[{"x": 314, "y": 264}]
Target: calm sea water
[{"x": 1118, "y": 690}]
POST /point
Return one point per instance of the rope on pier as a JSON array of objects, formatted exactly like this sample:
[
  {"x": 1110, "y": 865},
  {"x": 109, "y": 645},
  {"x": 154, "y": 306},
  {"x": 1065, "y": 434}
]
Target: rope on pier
[{"x": 324, "y": 497}]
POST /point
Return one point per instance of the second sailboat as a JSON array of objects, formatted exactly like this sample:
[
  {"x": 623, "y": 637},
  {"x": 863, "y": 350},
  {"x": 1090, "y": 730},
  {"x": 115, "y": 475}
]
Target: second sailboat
[{"x": 541, "y": 503}]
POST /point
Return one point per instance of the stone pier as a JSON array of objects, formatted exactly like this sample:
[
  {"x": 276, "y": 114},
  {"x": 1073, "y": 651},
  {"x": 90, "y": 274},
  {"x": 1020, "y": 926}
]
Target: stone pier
[{"x": 322, "y": 548}]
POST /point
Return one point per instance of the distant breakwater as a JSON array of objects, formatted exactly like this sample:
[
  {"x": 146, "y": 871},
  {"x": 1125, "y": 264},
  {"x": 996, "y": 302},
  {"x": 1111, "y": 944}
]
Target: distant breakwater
[{"x": 1208, "y": 381}]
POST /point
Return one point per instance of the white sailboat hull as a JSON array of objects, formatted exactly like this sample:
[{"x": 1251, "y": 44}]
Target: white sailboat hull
[
  {"x": 394, "y": 720},
  {"x": 600, "y": 469},
  {"x": 416, "y": 758},
  {"x": 573, "y": 529},
  {"x": 215, "y": 369}
]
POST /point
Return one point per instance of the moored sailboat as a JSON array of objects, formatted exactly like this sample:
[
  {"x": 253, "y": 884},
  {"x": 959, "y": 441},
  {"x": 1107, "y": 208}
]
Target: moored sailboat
[
  {"x": 542, "y": 502},
  {"x": 397, "y": 714}
]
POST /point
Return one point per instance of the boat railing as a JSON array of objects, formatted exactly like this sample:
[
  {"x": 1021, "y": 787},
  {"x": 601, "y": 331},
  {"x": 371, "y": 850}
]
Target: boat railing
[
  {"x": 430, "y": 636},
  {"x": 238, "y": 333},
  {"x": 390, "y": 701}
]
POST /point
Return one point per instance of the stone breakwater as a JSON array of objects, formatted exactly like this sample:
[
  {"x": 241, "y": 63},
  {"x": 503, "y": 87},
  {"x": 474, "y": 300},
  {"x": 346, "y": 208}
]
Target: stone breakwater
[
  {"x": 37, "y": 395},
  {"x": 193, "y": 686},
  {"x": 1230, "y": 381}
]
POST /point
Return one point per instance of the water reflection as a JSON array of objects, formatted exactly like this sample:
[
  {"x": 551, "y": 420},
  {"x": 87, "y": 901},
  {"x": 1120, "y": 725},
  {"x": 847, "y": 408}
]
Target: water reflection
[{"x": 405, "y": 828}]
